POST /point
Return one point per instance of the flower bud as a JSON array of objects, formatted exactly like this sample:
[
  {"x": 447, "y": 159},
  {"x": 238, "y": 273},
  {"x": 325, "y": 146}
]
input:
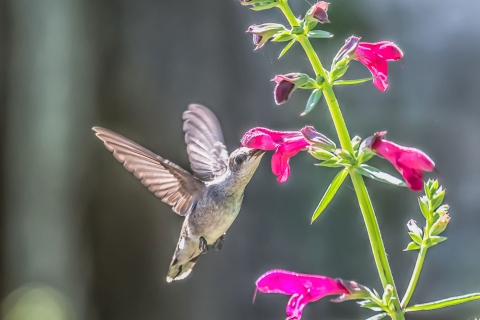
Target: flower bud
[
  {"x": 348, "y": 49},
  {"x": 413, "y": 228},
  {"x": 263, "y": 32},
  {"x": 318, "y": 13},
  {"x": 440, "y": 225},
  {"x": 287, "y": 83},
  {"x": 316, "y": 139}
]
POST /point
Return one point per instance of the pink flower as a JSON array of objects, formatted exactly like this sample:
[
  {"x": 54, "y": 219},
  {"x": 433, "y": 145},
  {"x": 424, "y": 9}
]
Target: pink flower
[
  {"x": 285, "y": 143},
  {"x": 410, "y": 162},
  {"x": 263, "y": 32},
  {"x": 375, "y": 56},
  {"x": 303, "y": 288}
]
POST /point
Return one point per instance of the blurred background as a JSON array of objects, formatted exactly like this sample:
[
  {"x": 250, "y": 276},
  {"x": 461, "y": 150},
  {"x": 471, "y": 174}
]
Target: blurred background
[{"x": 81, "y": 238}]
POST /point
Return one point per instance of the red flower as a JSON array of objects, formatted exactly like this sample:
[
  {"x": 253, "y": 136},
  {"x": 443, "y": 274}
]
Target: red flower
[
  {"x": 303, "y": 288},
  {"x": 375, "y": 56},
  {"x": 285, "y": 143},
  {"x": 410, "y": 162}
]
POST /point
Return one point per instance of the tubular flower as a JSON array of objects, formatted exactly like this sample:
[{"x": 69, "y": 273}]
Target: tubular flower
[
  {"x": 286, "y": 145},
  {"x": 263, "y": 32},
  {"x": 410, "y": 162},
  {"x": 303, "y": 289},
  {"x": 318, "y": 12},
  {"x": 375, "y": 56},
  {"x": 287, "y": 83}
]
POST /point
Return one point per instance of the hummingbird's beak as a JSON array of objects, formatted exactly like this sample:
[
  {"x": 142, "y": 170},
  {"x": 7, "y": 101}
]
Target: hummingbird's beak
[{"x": 256, "y": 152}]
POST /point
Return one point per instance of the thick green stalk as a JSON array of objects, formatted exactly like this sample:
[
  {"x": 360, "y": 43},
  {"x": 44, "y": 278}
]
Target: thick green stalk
[
  {"x": 415, "y": 275},
  {"x": 366, "y": 207}
]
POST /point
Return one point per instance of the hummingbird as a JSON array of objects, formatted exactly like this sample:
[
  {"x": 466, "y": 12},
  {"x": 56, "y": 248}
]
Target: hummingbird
[{"x": 209, "y": 199}]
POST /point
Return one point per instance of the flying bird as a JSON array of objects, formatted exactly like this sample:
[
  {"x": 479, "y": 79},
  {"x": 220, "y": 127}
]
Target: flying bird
[{"x": 210, "y": 199}]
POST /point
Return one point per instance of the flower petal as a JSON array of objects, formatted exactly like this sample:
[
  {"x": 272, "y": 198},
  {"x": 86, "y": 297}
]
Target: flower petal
[{"x": 295, "y": 306}]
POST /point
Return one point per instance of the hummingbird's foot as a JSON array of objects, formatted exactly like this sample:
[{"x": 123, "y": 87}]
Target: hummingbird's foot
[
  {"x": 217, "y": 245},
  {"x": 203, "y": 245}
]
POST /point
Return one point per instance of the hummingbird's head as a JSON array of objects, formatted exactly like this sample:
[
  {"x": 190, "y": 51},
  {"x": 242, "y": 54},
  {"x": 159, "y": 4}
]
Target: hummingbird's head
[{"x": 244, "y": 161}]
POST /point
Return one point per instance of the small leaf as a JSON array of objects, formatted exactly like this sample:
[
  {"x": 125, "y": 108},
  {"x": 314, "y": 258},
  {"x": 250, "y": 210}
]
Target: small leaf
[
  {"x": 338, "y": 72},
  {"x": 412, "y": 246},
  {"x": 356, "y": 142},
  {"x": 444, "y": 303},
  {"x": 437, "y": 199},
  {"x": 297, "y": 30},
  {"x": 332, "y": 163},
  {"x": 374, "y": 173},
  {"x": 424, "y": 207},
  {"x": 319, "y": 34},
  {"x": 432, "y": 241},
  {"x": 377, "y": 316},
  {"x": 282, "y": 37},
  {"x": 322, "y": 154},
  {"x": 415, "y": 237},
  {"x": 330, "y": 193},
  {"x": 364, "y": 157},
  {"x": 263, "y": 6},
  {"x": 355, "y": 81},
  {"x": 287, "y": 47},
  {"x": 369, "y": 304},
  {"x": 312, "y": 101}
]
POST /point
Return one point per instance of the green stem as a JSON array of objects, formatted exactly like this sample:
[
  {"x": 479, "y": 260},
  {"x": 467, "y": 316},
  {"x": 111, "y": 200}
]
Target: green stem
[
  {"x": 415, "y": 275},
  {"x": 366, "y": 207}
]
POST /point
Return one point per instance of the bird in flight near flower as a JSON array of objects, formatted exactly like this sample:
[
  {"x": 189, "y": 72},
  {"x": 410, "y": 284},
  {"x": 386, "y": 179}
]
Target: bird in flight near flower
[{"x": 210, "y": 199}]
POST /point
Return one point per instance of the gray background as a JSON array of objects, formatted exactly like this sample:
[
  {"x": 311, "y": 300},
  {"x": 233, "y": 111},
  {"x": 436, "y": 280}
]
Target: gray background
[{"x": 73, "y": 220}]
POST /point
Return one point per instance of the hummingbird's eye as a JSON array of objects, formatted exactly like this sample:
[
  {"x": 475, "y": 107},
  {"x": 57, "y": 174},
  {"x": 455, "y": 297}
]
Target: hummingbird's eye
[{"x": 239, "y": 159}]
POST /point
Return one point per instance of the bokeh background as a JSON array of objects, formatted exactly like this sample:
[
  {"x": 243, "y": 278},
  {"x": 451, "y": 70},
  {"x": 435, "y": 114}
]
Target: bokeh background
[{"x": 81, "y": 238}]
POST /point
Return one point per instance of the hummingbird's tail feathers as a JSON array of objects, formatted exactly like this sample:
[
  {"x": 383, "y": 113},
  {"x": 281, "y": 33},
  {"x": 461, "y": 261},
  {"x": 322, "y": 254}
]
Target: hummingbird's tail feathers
[
  {"x": 169, "y": 182},
  {"x": 180, "y": 272}
]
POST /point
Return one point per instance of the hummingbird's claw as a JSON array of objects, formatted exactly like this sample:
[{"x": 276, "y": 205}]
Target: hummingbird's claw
[
  {"x": 203, "y": 245},
  {"x": 217, "y": 245}
]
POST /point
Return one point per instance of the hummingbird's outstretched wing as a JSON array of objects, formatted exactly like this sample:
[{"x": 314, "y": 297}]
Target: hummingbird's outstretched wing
[
  {"x": 205, "y": 145},
  {"x": 166, "y": 180}
]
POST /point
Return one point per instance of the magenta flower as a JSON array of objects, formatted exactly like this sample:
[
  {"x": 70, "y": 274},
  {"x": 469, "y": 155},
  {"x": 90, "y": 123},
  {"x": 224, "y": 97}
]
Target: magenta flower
[
  {"x": 285, "y": 143},
  {"x": 318, "y": 12},
  {"x": 303, "y": 288},
  {"x": 375, "y": 56},
  {"x": 410, "y": 162}
]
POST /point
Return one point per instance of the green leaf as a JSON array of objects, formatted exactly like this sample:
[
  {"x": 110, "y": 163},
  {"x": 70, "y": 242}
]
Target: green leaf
[
  {"x": 287, "y": 47},
  {"x": 437, "y": 199},
  {"x": 282, "y": 37},
  {"x": 364, "y": 157},
  {"x": 356, "y": 142},
  {"x": 322, "y": 154},
  {"x": 338, "y": 72},
  {"x": 415, "y": 237},
  {"x": 297, "y": 30},
  {"x": 319, "y": 34},
  {"x": 354, "y": 81},
  {"x": 369, "y": 304},
  {"x": 432, "y": 241},
  {"x": 312, "y": 101},
  {"x": 423, "y": 203},
  {"x": 263, "y": 6},
  {"x": 332, "y": 163},
  {"x": 330, "y": 193},
  {"x": 444, "y": 303},
  {"x": 412, "y": 246},
  {"x": 374, "y": 173},
  {"x": 377, "y": 316}
]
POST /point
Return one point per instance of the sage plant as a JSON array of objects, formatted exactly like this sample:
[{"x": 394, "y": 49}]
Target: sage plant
[{"x": 350, "y": 158}]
